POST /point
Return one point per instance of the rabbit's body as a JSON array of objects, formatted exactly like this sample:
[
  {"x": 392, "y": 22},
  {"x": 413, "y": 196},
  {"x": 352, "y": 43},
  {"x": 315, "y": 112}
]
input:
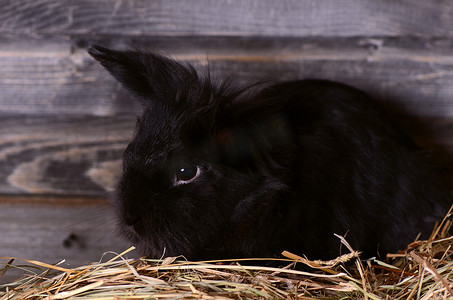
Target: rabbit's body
[{"x": 214, "y": 172}]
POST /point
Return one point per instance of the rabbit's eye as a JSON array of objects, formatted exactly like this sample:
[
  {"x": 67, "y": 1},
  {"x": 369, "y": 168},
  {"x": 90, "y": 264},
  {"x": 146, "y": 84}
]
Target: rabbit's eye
[{"x": 186, "y": 174}]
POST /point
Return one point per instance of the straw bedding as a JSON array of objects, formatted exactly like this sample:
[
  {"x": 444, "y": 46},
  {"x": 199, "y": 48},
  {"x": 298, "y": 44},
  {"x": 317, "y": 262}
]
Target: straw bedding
[{"x": 423, "y": 271}]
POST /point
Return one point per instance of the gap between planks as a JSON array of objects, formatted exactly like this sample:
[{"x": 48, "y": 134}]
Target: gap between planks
[{"x": 52, "y": 200}]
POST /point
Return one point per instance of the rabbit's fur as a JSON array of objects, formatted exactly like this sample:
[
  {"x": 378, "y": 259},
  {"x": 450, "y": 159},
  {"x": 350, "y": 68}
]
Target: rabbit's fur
[{"x": 220, "y": 172}]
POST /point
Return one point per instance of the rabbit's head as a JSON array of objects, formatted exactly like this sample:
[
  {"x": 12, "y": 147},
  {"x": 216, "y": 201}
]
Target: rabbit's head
[{"x": 196, "y": 175}]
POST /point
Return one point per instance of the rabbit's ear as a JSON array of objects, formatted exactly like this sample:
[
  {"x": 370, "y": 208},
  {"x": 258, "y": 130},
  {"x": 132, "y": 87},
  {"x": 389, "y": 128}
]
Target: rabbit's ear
[{"x": 145, "y": 74}]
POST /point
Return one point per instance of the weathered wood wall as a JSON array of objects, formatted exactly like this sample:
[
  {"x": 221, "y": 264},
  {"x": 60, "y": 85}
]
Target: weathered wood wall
[{"x": 64, "y": 121}]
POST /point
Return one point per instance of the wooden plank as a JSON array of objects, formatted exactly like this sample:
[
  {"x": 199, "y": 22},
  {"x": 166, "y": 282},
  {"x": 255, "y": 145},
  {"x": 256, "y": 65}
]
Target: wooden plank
[
  {"x": 232, "y": 18},
  {"x": 66, "y": 155},
  {"x": 49, "y": 230},
  {"x": 44, "y": 76},
  {"x": 81, "y": 155},
  {"x": 58, "y": 77}
]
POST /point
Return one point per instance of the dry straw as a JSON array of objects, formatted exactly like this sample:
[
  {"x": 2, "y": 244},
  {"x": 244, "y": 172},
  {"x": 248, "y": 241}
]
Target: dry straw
[{"x": 423, "y": 271}]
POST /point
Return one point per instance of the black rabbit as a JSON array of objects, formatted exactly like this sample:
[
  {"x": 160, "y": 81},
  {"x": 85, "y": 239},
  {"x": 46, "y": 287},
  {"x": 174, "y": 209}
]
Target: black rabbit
[{"x": 215, "y": 171}]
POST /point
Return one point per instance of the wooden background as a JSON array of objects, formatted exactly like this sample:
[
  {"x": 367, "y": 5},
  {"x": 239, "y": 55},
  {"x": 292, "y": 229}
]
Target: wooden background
[{"x": 64, "y": 121}]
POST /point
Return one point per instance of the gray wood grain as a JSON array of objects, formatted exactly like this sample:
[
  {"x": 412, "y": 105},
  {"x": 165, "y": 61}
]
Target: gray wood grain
[
  {"x": 60, "y": 78},
  {"x": 50, "y": 229},
  {"x": 64, "y": 155},
  {"x": 232, "y": 18}
]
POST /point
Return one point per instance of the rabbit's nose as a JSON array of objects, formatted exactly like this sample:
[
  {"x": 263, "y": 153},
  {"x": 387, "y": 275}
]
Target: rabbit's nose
[{"x": 134, "y": 221}]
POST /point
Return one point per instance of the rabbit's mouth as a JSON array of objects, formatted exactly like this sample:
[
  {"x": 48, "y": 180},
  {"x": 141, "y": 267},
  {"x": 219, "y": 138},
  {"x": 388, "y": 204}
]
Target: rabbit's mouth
[
  {"x": 154, "y": 246},
  {"x": 134, "y": 224},
  {"x": 157, "y": 239},
  {"x": 138, "y": 228}
]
